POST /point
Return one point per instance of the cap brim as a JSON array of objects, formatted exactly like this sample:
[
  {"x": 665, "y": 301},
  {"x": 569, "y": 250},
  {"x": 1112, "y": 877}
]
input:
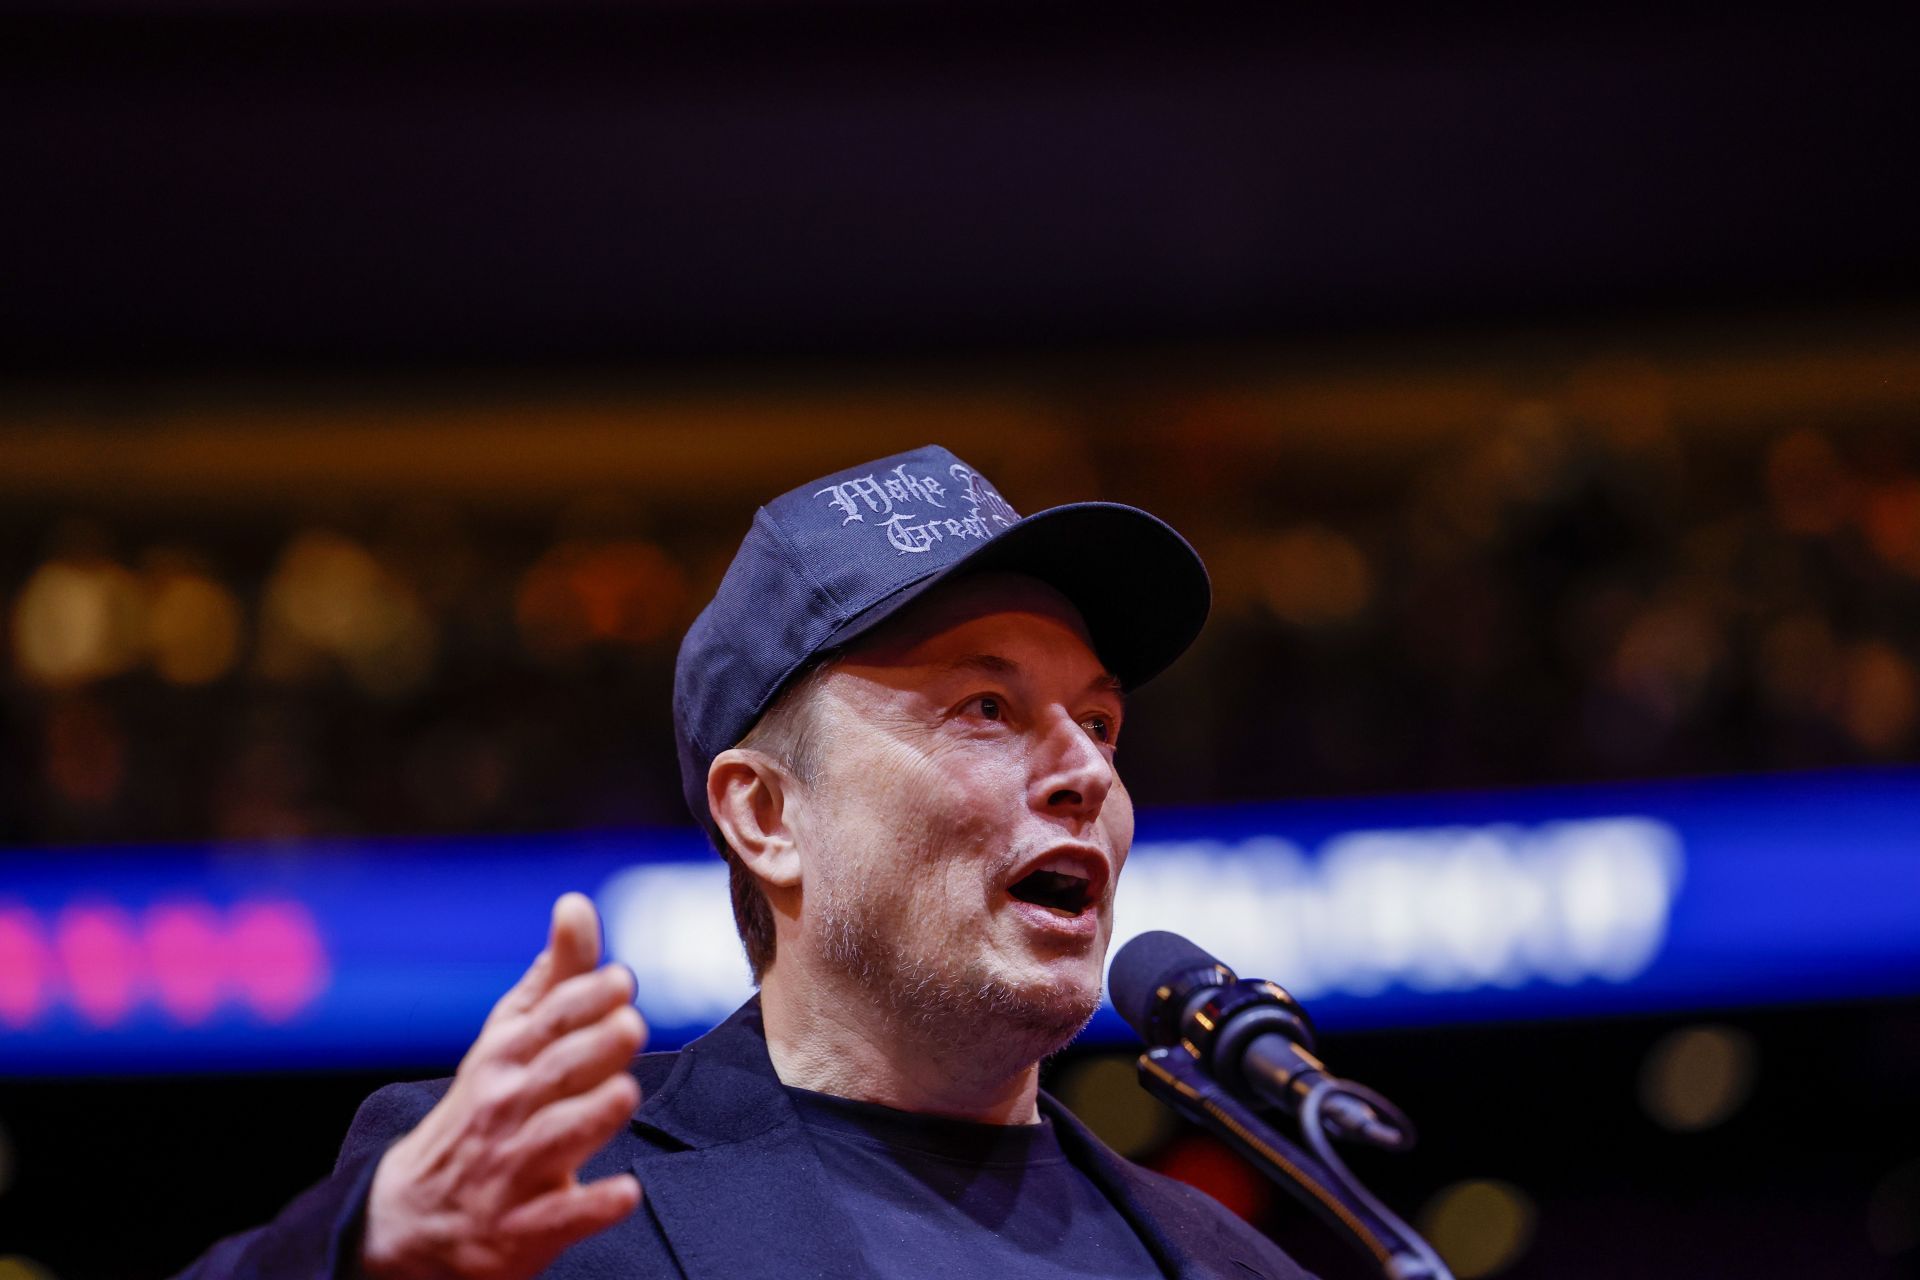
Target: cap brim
[{"x": 1141, "y": 589}]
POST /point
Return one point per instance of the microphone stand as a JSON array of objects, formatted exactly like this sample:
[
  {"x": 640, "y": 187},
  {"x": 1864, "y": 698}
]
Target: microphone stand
[{"x": 1318, "y": 1178}]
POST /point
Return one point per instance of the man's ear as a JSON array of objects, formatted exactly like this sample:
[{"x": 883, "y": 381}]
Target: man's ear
[{"x": 751, "y": 800}]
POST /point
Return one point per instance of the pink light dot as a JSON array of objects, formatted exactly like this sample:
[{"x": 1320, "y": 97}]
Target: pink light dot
[
  {"x": 26, "y": 967},
  {"x": 189, "y": 959},
  {"x": 276, "y": 956},
  {"x": 101, "y": 956}
]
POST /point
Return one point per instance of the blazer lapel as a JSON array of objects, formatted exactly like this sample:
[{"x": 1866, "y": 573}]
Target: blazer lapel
[
  {"x": 1158, "y": 1213},
  {"x": 730, "y": 1173},
  {"x": 753, "y": 1208},
  {"x": 731, "y": 1176}
]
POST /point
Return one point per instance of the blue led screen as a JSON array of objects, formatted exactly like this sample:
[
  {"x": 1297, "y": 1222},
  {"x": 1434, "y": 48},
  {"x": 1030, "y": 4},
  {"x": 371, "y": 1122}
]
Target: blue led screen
[{"x": 1378, "y": 912}]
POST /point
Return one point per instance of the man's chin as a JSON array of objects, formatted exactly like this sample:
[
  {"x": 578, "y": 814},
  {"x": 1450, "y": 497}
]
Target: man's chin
[
  {"x": 1052, "y": 1008},
  {"x": 1009, "y": 998},
  {"x": 1025, "y": 1015}
]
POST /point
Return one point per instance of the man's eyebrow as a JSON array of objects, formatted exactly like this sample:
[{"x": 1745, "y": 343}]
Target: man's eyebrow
[{"x": 993, "y": 664}]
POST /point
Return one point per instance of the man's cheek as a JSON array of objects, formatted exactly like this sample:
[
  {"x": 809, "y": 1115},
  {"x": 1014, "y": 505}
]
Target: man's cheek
[
  {"x": 1116, "y": 817},
  {"x": 990, "y": 784},
  {"x": 967, "y": 798}
]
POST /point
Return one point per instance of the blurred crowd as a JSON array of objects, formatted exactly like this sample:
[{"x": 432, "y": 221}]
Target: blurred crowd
[{"x": 1576, "y": 588}]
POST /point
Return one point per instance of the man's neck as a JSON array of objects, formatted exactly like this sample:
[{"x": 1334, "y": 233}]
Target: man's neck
[{"x": 841, "y": 1043}]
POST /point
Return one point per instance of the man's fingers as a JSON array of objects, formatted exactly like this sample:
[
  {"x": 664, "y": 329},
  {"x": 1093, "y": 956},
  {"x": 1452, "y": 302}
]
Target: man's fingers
[
  {"x": 573, "y": 946},
  {"x": 582, "y": 1058},
  {"x": 574, "y": 1212},
  {"x": 557, "y": 1139},
  {"x": 574, "y": 936},
  {"x": 524, "y": 994},
  {"x": 580, "y": 1000},
  {"x": 540, "y": 1090}
]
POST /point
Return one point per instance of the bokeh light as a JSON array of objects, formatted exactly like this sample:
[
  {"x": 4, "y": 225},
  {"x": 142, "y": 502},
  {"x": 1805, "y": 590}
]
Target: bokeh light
[
  {"x": 1810, "y": 489},
  {"x": 1879, "y": 697},
  {"x": 265, "y": 955},
  {"x": 330, "y": 596},
  {"x": 1314, "y": 577},
  {"x": 1205, "y": 1163},
  {"x": 276, "y": 957},
  {"x": 188, "y": 962},
  {"x": 583, "y": 592},
  {"x": 1891, "y": 522},
  {"x": 1105, "y": 1093},
  {"x": 1666, "y": 656},
  {"x": 26, "y": 967},
  {"x": 194, "y": 624},
  {"x": 100, "y": 959},
  {"x": 1481, "y": 1226},
  {"x": 76, "y": 620},
  {"x": 1698, "y": 1077}
]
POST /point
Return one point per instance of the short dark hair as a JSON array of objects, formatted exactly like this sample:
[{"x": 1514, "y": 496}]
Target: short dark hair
[{"x": 787, "y": 734}]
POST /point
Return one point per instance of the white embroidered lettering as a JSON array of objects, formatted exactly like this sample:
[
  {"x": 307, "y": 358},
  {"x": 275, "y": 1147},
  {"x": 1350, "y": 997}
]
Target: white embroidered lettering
[
  {"x": 865, "y": 488},
  {"x": 985, "y": 500},
  {"x": 908, "y": 539},
  {"x": 879, "y": 495}
]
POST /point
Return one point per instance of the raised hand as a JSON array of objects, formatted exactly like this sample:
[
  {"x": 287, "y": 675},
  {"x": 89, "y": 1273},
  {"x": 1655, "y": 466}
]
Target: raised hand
[{"x": 484, "y": 1188}]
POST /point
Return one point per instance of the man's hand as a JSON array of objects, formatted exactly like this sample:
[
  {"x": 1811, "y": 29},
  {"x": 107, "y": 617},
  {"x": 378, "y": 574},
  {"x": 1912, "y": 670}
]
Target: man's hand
[{"x": 484, "y": 1187}]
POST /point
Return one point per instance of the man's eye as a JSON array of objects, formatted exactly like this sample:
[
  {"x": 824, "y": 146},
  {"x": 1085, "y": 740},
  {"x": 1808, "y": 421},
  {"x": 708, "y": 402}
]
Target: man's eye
[
  {"x": 989, "y": 706},
  {"x": 1100, "y": 726}
]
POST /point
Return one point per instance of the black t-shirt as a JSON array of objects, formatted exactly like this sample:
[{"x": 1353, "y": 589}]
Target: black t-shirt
[{"x": 937, "y": 1199}]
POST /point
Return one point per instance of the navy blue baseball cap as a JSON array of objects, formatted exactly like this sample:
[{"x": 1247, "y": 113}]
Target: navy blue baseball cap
[{"x": 834, "y": 558}]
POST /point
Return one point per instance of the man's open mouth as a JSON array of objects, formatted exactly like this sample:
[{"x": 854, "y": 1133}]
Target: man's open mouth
[{"x": 1056, "y": 890}]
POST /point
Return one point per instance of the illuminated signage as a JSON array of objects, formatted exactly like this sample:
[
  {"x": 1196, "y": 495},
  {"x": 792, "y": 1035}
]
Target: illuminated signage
[{"x": 1389, "y": 911}]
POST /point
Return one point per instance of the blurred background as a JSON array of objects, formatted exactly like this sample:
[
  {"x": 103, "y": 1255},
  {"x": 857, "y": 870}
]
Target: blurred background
[{"x": 383, "y": 389}]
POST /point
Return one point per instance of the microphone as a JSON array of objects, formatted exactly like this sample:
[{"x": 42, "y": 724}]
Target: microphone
[{"x": 1248, "y": 1034}]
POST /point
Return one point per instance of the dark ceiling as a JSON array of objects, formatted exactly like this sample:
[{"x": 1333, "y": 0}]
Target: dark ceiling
[{"x": 198, "y": 187}]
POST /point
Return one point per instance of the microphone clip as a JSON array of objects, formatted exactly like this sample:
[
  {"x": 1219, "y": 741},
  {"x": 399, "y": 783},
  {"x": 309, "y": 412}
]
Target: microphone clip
[
  {"x": 1237, "y": 1012},
  {"x": 1252, "y": 1036},
  {"x": 1314, "y": 1174}
]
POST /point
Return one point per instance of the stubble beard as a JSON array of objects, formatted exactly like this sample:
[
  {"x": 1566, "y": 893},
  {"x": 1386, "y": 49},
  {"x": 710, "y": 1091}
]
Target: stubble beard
[{"x": 958, "y": 1011}]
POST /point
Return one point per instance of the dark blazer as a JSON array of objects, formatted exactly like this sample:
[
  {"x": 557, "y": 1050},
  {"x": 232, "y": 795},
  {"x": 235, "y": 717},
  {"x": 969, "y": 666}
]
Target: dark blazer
[{"x": 732, "y": 1187}]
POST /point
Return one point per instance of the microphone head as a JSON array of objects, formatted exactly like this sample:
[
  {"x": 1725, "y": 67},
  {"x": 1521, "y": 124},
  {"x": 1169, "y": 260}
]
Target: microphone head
[{"x": 1152, "y": 961}]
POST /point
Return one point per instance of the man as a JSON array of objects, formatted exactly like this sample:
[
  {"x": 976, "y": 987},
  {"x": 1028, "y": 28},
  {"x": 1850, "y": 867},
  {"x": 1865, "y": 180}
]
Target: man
[{"x": 897, "y": 721}]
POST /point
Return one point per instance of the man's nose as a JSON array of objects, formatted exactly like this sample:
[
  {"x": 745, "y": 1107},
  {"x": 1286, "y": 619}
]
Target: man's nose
[{"x": 1073, "y": 774}]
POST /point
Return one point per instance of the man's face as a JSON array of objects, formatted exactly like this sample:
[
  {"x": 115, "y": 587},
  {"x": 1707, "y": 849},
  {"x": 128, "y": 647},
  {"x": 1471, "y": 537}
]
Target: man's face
[{"x": 966, "y": 827}]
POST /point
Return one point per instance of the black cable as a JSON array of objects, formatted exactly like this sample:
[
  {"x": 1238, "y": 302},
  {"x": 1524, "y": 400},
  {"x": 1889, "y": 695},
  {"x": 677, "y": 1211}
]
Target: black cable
[{"x": 1316, "y": 1135}]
